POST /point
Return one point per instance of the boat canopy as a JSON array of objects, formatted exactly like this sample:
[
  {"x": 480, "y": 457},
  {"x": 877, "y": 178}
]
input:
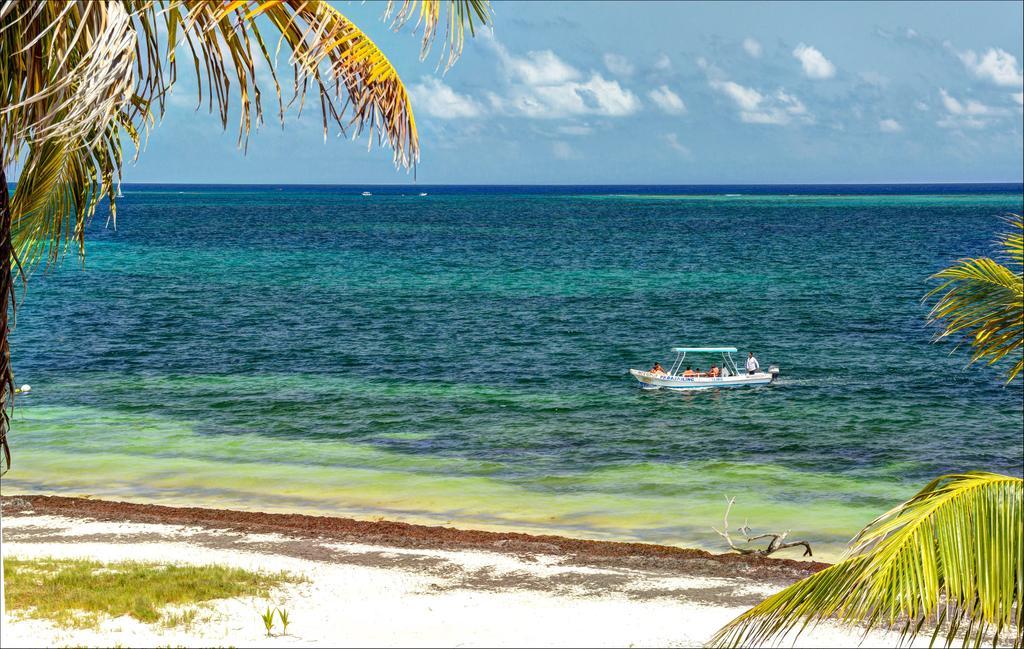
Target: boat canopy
[{"x": 723, "y": 350}]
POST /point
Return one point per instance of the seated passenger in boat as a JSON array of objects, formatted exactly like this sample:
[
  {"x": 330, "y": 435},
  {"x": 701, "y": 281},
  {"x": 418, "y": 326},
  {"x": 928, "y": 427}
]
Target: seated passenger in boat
[
  {"x": 658, "y": 369},
  {"x": 714, "y": 372},
  {"x": 689, "y": 373}
]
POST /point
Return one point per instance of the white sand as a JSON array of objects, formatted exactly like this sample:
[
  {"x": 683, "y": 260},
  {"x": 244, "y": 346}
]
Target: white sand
[{"x": 382, "y": 596}]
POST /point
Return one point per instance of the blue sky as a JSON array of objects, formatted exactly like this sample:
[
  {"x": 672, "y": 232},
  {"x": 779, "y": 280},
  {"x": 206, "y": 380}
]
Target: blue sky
[{"x": 617, "y": 92}]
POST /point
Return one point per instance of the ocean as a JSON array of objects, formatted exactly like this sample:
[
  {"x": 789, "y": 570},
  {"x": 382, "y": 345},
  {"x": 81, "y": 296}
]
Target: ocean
[{"x": 462, "y": 358}]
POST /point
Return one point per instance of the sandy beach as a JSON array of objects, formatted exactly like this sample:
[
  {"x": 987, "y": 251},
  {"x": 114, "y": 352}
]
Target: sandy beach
[{"x": 387, "y": 584}]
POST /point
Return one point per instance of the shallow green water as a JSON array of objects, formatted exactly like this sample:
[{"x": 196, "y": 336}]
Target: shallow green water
[{"x": 463, "y": 357}]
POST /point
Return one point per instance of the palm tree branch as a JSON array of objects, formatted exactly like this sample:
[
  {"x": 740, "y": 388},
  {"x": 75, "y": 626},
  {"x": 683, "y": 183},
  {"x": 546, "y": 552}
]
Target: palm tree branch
[
  {"x": 462, "y": 14},
  {"x": 984, "y": 301},
  {"x": 1013, "y": 241},
  {"x": 57, "y": 194},
  {"x": 951, "y": 555}
]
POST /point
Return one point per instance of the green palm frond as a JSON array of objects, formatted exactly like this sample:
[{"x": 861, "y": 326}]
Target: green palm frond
[
  {"x": 1013, "y": 241},
  {"x": 952, "y": 557},
  {"x": 983, "y": 300},
  {"x": 60, "y": 187}
]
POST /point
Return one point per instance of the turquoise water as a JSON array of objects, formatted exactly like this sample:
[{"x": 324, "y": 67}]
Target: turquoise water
[{"x": 462, "y": 357}]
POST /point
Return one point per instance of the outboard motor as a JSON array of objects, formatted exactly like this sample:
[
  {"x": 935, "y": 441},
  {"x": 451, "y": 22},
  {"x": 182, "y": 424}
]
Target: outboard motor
[{"x": 774, "y": 371}]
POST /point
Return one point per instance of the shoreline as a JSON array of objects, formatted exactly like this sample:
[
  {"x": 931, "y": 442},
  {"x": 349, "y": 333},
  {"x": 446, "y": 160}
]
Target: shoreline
[
  {"x": 412, "y": 536},
  {"x": 381, "y": 583}
]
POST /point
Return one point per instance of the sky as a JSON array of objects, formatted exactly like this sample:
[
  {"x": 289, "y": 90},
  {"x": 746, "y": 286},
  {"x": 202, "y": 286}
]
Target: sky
[{"x": 662, "y": 93}]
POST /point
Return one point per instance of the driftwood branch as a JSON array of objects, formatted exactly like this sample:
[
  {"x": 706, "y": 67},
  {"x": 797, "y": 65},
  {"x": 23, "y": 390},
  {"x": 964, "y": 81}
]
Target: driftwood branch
[{"x": 778, "y": 541}]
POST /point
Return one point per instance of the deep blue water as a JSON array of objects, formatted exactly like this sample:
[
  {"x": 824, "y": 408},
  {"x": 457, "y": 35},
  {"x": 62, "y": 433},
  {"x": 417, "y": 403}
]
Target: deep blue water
[{"x": 463, "y": 356}]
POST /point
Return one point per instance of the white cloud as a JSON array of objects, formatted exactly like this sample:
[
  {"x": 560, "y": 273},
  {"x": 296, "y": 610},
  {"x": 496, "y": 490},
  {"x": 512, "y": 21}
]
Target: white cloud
[
  {"x": 756, "y": 108},
  {"x": 668, "y": 101},
  {"x": 533, "y": 68},
  {"x": 920, "y": 105},
  {"x": 618, "y": 64},
  {"x": 970, "y": 107},
  {"x": 889, "y": 126},
  {"x": 564, "y": 151},
  {"x": 791, "y": 104},
  {"x": 542, "y": 68},
  {"x": 1018, "y": 97},
  {"x": 436, "y": 99},
  {"x": 543, "y": 86},
  {"x": 996, "y": 65},
  {"x": 965, "y": 114},
  {"x": 596, "y": 96},
  {"x": 663, "y": 62},
  {"x": 815, "y": 65},
  {"x": 752, "y": 47},
  {"x": 673, "y": 142},
  {"x": 608, "y": 97},
  {"x": 745, "y": 98}
]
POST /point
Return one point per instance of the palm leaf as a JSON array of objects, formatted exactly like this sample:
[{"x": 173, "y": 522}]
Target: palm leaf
[
  {"x": 983, "y": 300},
  {"x": 58, "y": 192},
  {"x": 461, "y": 15},
  {"x": 1013, "y": 241},
  {"x": 358, "y": 86},
  {"x": 950, "y": 557}
]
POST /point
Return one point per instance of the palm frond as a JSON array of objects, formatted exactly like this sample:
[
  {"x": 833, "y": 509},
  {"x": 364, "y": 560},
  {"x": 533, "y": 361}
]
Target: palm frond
[
  {"x": 221, "y": 49},
  {"x": 358, "y": 86},
  {"x": 59, "y": 188},
  {"x": 1013, "y": 241},
  {"x": 461, "y": 15},
  {"x": 984, "y": 301},
  {"x": 83, "y": 81},
  {"x": 952, "y": 557}
]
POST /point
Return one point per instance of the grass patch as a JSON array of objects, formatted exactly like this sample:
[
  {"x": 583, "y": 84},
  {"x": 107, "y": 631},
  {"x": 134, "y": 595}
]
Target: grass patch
[
  {"x": 183, "y": 619},
  {"x": 79, "y": 593}
]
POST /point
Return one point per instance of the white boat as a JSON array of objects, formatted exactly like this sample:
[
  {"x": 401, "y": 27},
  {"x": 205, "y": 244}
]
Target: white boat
[
  {"x": 731, "y": 376},
  {"x": 367, "y": 194},
  {"x": 423, "y": 193}
]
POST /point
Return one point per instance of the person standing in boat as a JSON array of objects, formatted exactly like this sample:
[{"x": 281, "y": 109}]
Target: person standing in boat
[{"x": 752, "y": 364}]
